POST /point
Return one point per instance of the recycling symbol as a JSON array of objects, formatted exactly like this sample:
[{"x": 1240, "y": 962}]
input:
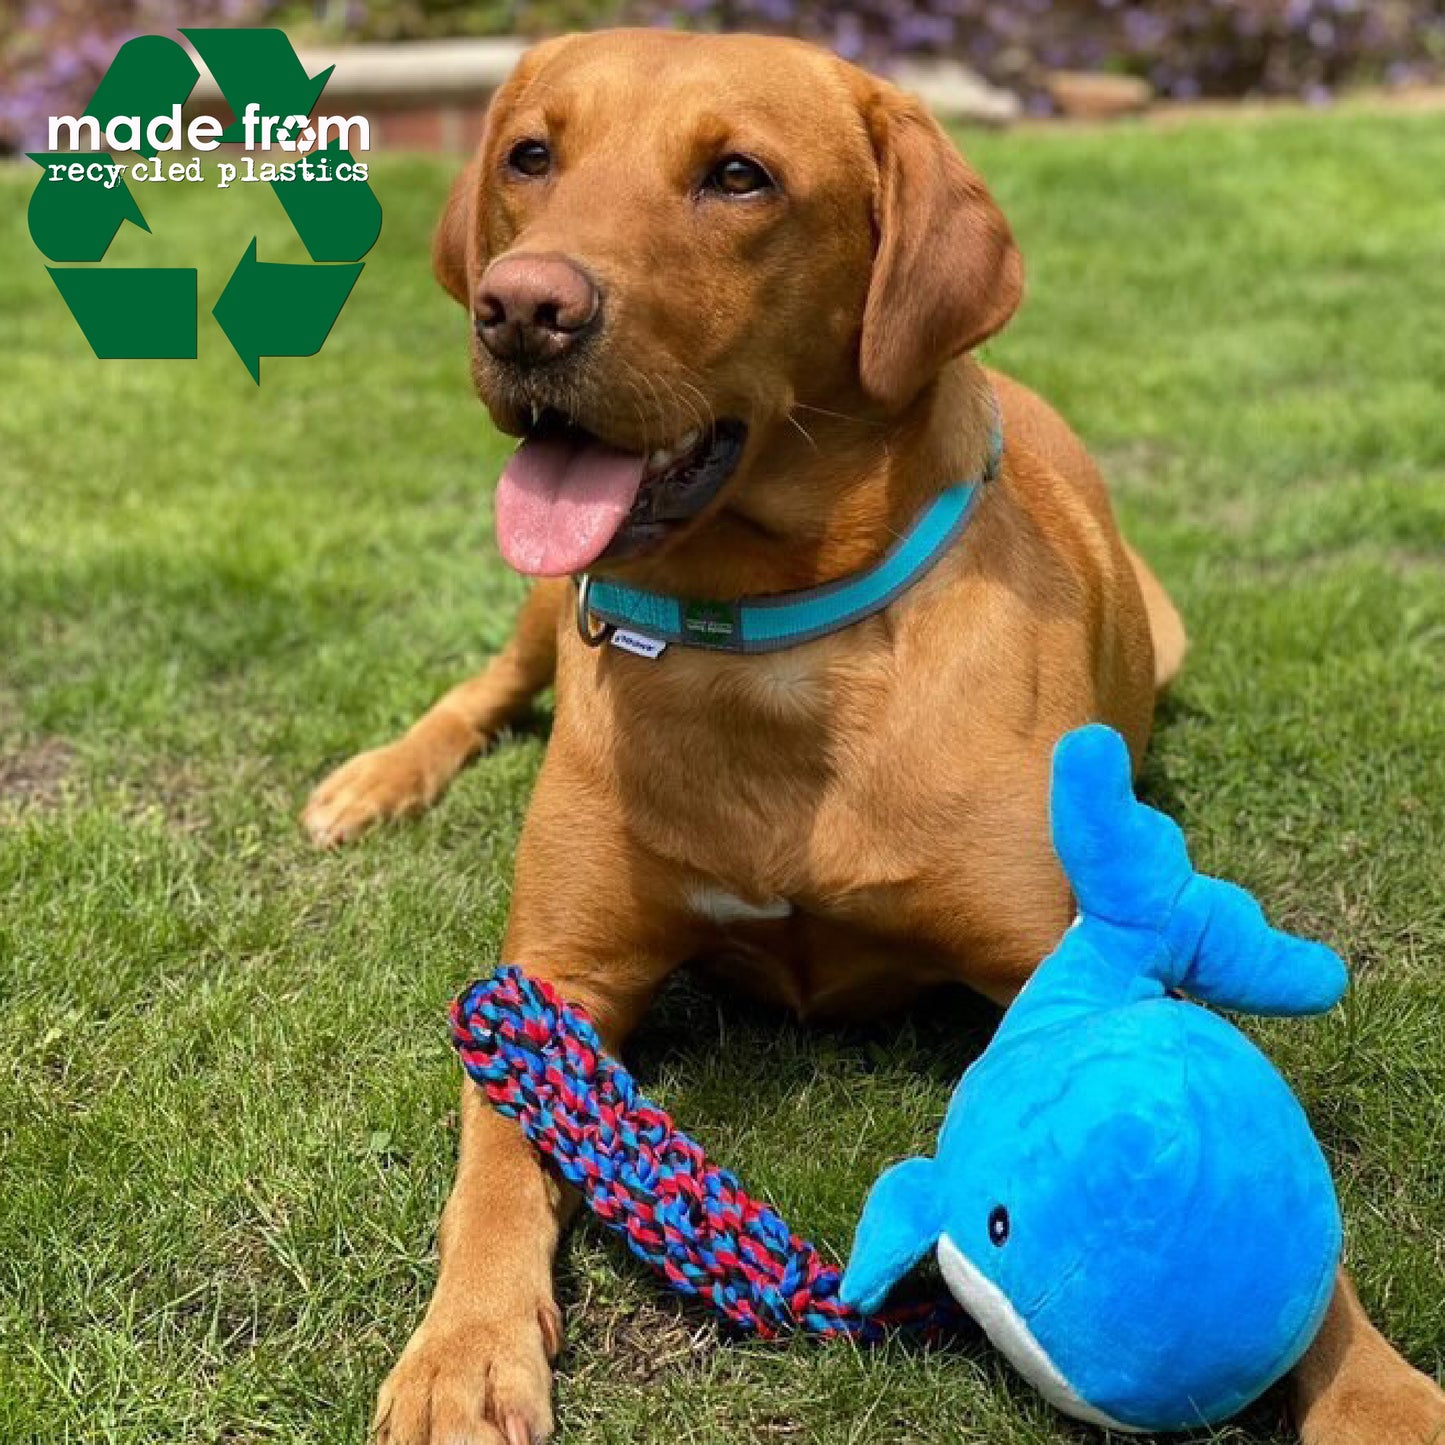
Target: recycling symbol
[{"x": 266, "y": 309}]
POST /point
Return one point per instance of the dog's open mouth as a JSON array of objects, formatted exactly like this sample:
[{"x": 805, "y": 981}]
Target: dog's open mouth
[{"x": 566, "y": 498}]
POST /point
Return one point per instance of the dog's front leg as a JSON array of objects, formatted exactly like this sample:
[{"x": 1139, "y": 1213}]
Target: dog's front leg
[
  {"x": 1352, "y": 1388},
  {"x": 478, "y": 1370},
  {"x": 605, "y": 925},
  {"x": 408, "y": 775}
]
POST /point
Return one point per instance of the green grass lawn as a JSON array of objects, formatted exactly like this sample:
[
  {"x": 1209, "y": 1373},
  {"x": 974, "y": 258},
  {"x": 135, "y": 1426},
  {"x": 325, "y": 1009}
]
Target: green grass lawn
[{"x": 227, "y": 1107}]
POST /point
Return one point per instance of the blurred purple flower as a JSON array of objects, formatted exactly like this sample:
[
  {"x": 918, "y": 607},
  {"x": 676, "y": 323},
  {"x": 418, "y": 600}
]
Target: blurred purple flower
[
  {"x": 1144, "y": 29},
  {"x": 1186, "y": 48},
  {"x": 54, "y": 61},
  {"x": 922, "y": 32},
  {"x": 848, "y": 38}
]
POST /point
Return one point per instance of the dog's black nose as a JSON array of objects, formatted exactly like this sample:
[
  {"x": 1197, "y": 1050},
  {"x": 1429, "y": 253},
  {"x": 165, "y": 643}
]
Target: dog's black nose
[{"x": 533, "y": 309}]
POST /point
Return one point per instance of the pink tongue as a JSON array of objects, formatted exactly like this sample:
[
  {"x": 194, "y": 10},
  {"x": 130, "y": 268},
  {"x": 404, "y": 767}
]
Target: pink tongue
[{"x": 560, "y": 503}]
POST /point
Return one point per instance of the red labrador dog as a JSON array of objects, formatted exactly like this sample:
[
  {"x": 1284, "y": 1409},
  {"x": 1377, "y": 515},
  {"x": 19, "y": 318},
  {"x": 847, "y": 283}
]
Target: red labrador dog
[{"x": 724, "y": 290}]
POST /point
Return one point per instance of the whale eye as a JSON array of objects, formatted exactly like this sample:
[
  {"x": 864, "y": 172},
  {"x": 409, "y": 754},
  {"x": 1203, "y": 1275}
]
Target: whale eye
[{"x": 998, "y": 1226}]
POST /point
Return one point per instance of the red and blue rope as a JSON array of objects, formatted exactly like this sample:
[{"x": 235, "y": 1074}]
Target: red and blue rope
[{"x": 539, "y": 1061}]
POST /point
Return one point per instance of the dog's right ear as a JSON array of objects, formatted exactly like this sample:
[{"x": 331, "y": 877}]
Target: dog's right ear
[
  {"x": 454, "y": 244},
  {"x": 458, "y": 248}
]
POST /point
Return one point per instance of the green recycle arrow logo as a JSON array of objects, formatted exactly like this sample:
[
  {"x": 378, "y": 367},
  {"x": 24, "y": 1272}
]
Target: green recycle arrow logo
[{"x": 150, "y": 312}]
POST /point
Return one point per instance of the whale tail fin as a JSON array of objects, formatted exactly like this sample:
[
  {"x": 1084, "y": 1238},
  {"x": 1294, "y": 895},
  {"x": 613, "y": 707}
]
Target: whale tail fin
[
  {"x": 1236, "y": 960},
  {"x": 1126, "y": 862},
  {"x": 1130, "y": 871}
]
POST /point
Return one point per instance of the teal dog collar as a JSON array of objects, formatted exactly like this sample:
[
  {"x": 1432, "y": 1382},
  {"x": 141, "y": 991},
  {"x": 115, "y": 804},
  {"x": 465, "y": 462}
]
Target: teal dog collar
[{"x": 785, "y": 619}]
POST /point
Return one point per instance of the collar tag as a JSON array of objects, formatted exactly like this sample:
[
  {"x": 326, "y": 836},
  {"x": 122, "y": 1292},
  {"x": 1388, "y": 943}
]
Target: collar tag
[
  {"x": 710, "y": 624},
  {"x": 635, "y": 643}
]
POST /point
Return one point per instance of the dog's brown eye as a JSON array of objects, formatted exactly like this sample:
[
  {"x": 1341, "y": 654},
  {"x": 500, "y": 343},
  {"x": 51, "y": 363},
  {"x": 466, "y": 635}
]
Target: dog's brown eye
[
  {"x": 738, "y": 176},
  {"x": 530, "y": 158}
]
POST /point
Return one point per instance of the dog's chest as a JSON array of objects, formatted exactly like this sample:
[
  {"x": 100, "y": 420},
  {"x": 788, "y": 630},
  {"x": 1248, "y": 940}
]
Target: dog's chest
[
  {"x": 836, "y": 831},
  {"x": 786, "y": 793}
]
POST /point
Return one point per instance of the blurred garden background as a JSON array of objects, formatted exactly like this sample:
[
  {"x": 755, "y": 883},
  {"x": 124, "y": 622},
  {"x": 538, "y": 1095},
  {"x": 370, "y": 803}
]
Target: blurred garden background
[{"x": 52, "y": 52}]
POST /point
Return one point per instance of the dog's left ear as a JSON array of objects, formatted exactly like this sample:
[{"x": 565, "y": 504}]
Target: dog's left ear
[{"x": 946, "y": 273}]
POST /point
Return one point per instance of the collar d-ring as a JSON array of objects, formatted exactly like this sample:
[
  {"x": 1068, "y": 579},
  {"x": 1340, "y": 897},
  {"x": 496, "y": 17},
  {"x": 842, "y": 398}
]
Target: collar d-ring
[{"x": 584, "y": 615}]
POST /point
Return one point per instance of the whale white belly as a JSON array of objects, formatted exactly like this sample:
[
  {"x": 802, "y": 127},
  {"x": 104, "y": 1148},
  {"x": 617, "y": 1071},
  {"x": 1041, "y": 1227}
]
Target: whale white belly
[{"x": 1003, "y": 1324}]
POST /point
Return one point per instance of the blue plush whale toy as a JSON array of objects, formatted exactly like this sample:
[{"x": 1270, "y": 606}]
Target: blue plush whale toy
[{"x": 1126, "y": 1195}]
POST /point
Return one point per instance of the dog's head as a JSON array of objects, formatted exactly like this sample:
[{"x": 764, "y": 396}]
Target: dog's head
[{"x": 668, "y": 242}]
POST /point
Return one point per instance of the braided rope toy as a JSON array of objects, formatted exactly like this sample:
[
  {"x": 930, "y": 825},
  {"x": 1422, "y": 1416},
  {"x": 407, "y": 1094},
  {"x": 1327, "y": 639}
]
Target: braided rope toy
[{"x": 539, "y": 1061}]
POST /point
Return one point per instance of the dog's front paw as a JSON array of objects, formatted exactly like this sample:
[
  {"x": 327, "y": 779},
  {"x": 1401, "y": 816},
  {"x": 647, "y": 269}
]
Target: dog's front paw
[
  {"x": 1375, "y": 1399},
  {"x": 472, "y": 1381},
  {"x": 395, "y": 781}
]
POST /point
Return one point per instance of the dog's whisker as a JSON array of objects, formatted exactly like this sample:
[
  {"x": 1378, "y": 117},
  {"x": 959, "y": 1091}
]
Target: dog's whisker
[
  {"x": 705, "y": 416},
  {"x": 657, "y": 402},
  {"x": 631, "y": 375},
  {"x": 634, "y": 396},
  {"x": 798, "y": 426},
  {"x": 840, "y": 415}
]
